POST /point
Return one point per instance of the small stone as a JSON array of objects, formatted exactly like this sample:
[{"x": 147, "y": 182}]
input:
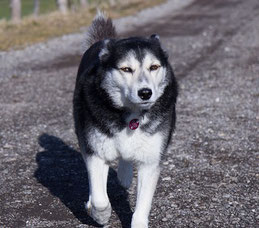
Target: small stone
[
  {"x": 171, "y": 166},
  {"x": 210, "y": 130},
  {"x": 235, "y": 220},
  {"x": 169, "y": 216},
  {"x": 173, "y": 205},
  {"x": 197, "y": 221},
  {"x": 221, "y": 134},
  {"x": 164, "y": 219},
  {"x": 7, "y": 146},
  {"x": 226, "y": 49},
  {"x": 226, "y": 195},
  {"x": 166, "y": 178},
  {"x": 27, "y": 192}
]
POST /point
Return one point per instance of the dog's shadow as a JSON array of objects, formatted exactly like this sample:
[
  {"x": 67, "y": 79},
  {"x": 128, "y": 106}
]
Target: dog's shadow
[{"x": 62, "y": 170}]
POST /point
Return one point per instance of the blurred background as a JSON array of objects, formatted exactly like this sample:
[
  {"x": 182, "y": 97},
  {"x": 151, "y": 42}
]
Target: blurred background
[
  {"x": 24, "y": 22},
  {"x": 10, "y": 9}
]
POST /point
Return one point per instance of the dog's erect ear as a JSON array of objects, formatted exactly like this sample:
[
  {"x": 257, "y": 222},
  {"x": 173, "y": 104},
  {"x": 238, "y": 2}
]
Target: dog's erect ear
[
  {"x": 155, "y": 37},
  {"x": 105, "y": 51}
]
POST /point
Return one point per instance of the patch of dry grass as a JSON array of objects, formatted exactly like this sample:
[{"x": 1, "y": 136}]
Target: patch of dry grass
[{"x": 33, "y": 30}]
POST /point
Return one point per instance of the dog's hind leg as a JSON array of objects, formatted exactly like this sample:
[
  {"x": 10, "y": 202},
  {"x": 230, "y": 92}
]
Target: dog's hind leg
[
  {"x": 98, "y": 205},
  {"x": 125, "y": 173}
]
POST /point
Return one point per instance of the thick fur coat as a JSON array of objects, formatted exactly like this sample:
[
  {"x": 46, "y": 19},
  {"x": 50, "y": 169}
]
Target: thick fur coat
[{"x": 120, "y": 81}]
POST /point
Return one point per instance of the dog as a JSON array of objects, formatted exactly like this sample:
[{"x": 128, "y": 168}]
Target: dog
[{"x": 124, "y": 108}]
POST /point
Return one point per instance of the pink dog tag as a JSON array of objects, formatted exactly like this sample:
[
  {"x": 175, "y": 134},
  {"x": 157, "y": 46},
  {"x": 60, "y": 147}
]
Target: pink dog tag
[{"x": 133, "y": 124}]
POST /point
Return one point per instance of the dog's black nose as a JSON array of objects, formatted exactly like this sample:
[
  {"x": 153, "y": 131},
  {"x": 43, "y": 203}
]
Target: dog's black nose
[{"x": 145, "y": 93}]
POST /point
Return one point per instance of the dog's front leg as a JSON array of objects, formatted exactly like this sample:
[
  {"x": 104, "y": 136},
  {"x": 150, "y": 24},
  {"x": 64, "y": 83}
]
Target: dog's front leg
[
  {"x": 147, "y": 180},
  {"x": 98, "y": 205}
]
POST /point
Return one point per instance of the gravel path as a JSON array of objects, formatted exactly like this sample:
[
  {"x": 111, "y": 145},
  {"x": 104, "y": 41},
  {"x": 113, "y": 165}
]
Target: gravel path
[{"x": 210, "y": 174}]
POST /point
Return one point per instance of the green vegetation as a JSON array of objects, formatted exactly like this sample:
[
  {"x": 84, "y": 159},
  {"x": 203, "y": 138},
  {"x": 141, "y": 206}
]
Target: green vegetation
[
  {"x": 46, "y": 6},
  {"x": 32, "y": 30}
]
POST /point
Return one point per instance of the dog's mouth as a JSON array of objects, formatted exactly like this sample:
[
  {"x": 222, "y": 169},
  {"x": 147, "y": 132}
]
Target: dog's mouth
[
  {"x": 141, "y": 105},
  {"x": 145, "y": 104}
]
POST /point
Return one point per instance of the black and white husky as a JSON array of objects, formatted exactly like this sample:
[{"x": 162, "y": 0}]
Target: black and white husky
[{"x": 124, "y": 107}]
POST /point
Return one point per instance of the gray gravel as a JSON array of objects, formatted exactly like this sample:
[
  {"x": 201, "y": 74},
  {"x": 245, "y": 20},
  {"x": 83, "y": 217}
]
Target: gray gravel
[{"x": 210, "y": 173}]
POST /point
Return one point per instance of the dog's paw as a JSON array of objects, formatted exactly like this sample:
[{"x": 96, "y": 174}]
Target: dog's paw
[
  {"x": 138, "y": 225},
  {"x": 100, "y": 215},
  {"x": 139, "y": 222},
  {"x": 125, "y": 173}
]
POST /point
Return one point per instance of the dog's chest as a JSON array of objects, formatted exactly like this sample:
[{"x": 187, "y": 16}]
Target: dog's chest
[
  {"x": 138, "y": 145},
  {"x": 134, "y": 145}
]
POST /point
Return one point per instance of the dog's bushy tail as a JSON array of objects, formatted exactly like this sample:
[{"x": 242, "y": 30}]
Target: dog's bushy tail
[{"x": 100, "y": 29}]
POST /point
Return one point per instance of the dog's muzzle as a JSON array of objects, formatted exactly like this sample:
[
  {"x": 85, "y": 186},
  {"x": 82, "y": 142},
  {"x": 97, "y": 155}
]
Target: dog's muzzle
[{"x": 145, "y": 94}]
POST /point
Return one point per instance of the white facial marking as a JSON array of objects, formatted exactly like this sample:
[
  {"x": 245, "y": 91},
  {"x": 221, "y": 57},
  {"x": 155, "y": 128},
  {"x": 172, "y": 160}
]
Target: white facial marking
[{"x": 123, "y": 84}]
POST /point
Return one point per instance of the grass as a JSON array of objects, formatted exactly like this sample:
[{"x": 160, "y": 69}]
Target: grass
[
  {"x": 33, "y": 30},
  {"x": 46, "y": 6}
]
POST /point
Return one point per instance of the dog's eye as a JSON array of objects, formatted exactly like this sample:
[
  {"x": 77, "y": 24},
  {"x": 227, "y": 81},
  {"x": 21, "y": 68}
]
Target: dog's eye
[
  {"x": 154, "y": 67},
  {"x": 126, "y": 69}
]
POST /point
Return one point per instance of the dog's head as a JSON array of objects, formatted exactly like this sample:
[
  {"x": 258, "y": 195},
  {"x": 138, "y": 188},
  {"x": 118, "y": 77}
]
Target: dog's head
[{"x": 135, "y": 71}]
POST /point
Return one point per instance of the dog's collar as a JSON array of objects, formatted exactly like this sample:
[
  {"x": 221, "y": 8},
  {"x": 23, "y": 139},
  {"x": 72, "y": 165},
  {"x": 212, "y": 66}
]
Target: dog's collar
[
  {"x": 135, "y": 119},
  {"x": 133, "y": 124}
]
